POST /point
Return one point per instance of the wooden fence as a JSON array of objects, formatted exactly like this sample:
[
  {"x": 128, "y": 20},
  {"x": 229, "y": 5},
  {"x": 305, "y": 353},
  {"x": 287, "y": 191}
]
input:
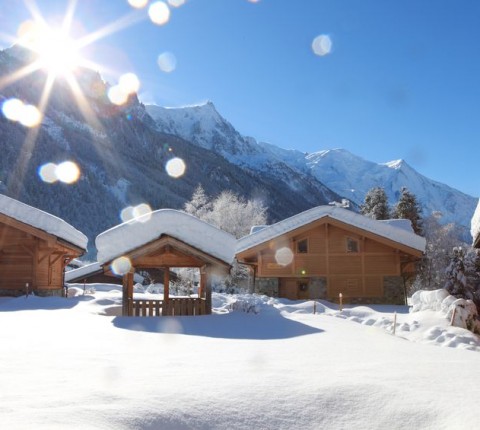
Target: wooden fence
[{"x": 172, "y": 307}]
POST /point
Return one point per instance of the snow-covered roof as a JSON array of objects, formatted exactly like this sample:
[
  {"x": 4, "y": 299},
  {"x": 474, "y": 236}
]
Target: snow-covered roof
[
  {"x": 42, "y": 220},
  {"x": 87, "y": 270},
  {"x": 92, "y": 269},
  {"x": 387, "y": 230},
  {"x": 476, "y": 224},
  {"x": 135, "y": 233},
  {"x": 404, "y": 224}
]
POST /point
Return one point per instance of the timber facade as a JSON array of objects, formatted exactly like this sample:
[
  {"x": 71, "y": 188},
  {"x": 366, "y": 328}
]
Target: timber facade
[
  {"x": 31, "y": 260},
  {"x": 326, "y": 257}
]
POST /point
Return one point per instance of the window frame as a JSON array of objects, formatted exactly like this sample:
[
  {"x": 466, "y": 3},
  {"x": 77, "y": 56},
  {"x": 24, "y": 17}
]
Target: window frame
[
  {"x": 348, "y": 242},
  {"x": 297, "y": 246}
]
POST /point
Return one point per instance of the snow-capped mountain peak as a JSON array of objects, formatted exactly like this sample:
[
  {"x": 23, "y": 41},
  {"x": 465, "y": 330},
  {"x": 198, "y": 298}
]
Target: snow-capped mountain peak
[{"x": 347, "y": 174}]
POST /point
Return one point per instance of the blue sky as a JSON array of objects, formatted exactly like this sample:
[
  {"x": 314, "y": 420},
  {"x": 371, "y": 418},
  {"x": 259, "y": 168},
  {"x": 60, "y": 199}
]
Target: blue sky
[{"x": 401, "y": 81}]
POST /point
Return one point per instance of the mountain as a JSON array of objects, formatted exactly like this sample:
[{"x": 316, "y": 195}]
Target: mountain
[
  {"x": 352, "y": 176},
  {"x": 346, "y": 174},
  {"x": 122, "y": 153}
]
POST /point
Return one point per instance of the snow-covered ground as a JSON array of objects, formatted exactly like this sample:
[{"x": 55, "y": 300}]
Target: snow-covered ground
[{"x": 73, "y": 363}]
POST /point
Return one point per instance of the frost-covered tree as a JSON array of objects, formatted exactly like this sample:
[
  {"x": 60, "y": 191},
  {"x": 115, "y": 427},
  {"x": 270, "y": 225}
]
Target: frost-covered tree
[
  {"x": 228, "y": 211},
  {"x": 441, "y": 239},
  {"x": 376, "y": 204},
  {"x": 199, "y": 205},
  {"x": 407, "y": 207},
  {"x": 233, "y": 214}
]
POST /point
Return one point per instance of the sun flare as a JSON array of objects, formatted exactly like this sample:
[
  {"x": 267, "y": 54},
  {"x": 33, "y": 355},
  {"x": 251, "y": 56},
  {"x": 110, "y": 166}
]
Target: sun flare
[{"x": 57, "y": 52}]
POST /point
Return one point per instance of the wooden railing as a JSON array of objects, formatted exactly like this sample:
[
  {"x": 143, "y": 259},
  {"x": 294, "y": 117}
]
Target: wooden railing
[{"x": 177, "y": 306}]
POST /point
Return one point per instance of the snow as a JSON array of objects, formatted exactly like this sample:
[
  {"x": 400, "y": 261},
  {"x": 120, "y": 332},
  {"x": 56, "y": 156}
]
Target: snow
[
  {"x": 74, "y": 363},
  {"x": 135, "y": 233},
  {"x": 86, "y": 270},
  {"x": 388, "y": 230},
  {"x": 404, "y": 224},
  {"x": 90, "y": 269},
  {"x": 476, "y": 222},
  {"x": 42, "y": 221}
]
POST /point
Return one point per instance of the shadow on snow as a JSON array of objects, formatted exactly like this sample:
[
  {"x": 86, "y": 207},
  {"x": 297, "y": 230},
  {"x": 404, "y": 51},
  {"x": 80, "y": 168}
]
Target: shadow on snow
[
  {"x": 23, "y": 303},
  {"x": 234, "y": 325}
]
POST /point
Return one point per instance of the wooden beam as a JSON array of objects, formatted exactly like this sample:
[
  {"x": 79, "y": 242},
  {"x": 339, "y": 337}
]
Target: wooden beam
[{"x": 166, "y": 283}]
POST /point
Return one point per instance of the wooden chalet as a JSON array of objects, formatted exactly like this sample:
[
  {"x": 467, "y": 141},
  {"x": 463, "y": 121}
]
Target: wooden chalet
[
  {"x": 35, "y": 247},
  {"x": 325, "y": 251},
  {"x": 166, "y": 239}
]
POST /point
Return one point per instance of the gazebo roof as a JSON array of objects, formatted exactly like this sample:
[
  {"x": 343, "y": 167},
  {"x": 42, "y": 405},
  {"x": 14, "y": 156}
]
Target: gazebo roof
[{"x": 136, "y": 233}]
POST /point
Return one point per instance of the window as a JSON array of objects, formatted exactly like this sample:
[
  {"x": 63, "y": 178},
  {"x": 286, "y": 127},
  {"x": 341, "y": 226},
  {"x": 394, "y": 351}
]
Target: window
[
  {"x": 352, "y": 245},
  {"x": 302, "y": 286},
  {"x": 302, "y": 246}
]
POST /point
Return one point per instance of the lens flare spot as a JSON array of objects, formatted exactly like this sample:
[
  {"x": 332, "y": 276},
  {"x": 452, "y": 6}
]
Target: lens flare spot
[
  {"x": 138, "y": 4},
  {"x": 129, "y": 83},
  {"x": 143, "y": 212},
  {"x": 159, "y": 13},
  {"x": 121, "y": 265},
  {"x": 12, "y": 109},
  {"x": 16, "y": 110},
  {"x": 322, "y": 45},
  {"x": 175, "y": 167},
  {"x": 127, "y": 213},
  {"x": 284, "y": 256},
  {"x": 30, "y": 116},
  {"x": 176, "y": 3},
  {"x": 68, "y": 172},
  {"x": 47, "y": 173},
  {"x": 167, "y": 62},
  {"x": 117, "y": 96}
]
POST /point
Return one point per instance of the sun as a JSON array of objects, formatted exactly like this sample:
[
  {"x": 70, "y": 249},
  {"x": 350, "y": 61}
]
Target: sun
[{"x": 56, "y": 51}]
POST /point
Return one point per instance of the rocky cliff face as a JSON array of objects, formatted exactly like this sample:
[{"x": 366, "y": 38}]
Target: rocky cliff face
[{"x": 122, "y": 153}]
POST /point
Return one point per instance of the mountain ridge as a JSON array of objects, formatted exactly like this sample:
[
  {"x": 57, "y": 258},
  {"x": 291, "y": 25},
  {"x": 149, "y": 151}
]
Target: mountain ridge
[
  {"x": 345, "y": 173},
  {"x": 122, "y": 152}
]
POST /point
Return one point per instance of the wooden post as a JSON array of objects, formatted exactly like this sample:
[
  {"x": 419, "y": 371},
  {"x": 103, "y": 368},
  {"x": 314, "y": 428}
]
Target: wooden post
[
  {"x": 130, "y": 292},
  {"x": 201, "y": 288},
  {"x": 166, "y": 290},
  {"x": 208, "y": 291},
  {"x": 340, "y": 302},
  {"x": 314, "y": 307},
  {"x": 394, "y": 322},
  {"x": 127, "y": 294},
  {"x": 452, "y": 321}
]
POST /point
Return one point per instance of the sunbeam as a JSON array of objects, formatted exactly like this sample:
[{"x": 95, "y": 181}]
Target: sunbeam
[{"x": 59, "y": 55}]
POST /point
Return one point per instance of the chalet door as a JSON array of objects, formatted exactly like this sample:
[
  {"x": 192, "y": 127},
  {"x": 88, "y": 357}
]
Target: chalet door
[{"x": 294, "y": 289}]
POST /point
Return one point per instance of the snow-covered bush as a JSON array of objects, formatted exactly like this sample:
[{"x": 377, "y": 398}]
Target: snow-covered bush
[
  {"x": 466, "y": 315},
  {"x": 463, "y": 313},
  {"x": 428, "y": 300}
]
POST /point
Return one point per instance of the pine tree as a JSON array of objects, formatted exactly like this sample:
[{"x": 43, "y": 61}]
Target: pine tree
[
  {"x": 456, "y": 283},
  {"x": 376, "y": 204},
  {"x": 408, "y": 208}
]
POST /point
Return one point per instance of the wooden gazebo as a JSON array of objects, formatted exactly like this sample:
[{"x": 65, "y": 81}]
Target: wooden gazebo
[
  {"x": 35, "y": 247},
  {"x": 167, "y": 239}
]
